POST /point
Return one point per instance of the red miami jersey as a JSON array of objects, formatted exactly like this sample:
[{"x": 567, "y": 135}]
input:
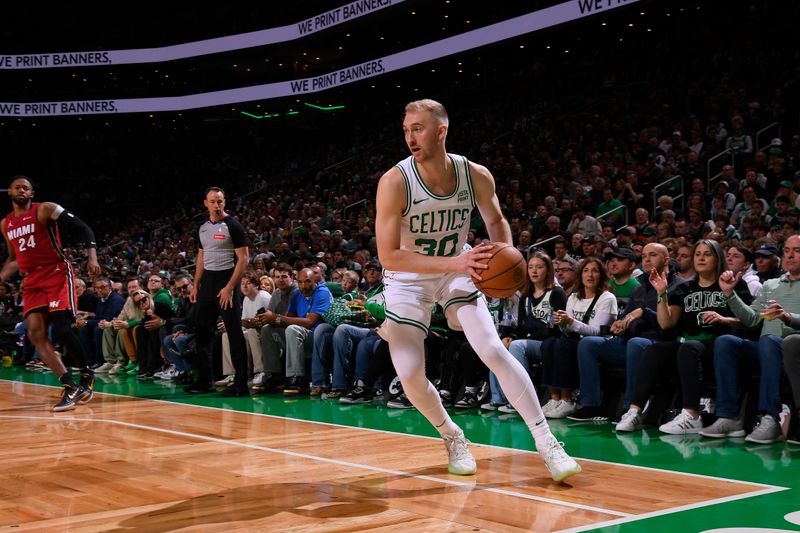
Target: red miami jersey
[
  {"x": 36, "y": 245},
  {"x": 49, "y": 284}
]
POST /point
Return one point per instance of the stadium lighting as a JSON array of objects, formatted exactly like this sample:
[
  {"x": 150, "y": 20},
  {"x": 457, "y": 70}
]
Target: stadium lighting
[{"x": 329, "y": 108}]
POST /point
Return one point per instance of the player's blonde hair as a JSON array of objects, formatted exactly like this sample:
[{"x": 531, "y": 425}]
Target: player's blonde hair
[{"x": 435, "y": 108}]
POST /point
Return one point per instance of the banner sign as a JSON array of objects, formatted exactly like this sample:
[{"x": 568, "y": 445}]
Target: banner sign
[
  {"x": 320, "y": 22},
  {"x": 531, "y": 22}
]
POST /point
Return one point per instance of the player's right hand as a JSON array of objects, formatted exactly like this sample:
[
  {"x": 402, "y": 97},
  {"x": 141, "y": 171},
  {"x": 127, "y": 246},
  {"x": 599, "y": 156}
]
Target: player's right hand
[
  {"x": 470, "y": 262},
  {"x": 93, "y": 267}
]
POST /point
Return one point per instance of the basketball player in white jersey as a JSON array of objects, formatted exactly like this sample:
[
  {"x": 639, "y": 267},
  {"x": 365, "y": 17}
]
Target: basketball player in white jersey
[{"x": 424, "y": 205}]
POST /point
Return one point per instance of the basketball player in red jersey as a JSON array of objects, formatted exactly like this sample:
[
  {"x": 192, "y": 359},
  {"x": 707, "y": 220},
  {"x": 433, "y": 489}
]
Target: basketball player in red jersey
[{"x": 32, "y": 233}]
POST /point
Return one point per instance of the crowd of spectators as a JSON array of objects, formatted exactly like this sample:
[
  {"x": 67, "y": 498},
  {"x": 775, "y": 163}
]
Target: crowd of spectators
[{"x": 594, "y": 185}]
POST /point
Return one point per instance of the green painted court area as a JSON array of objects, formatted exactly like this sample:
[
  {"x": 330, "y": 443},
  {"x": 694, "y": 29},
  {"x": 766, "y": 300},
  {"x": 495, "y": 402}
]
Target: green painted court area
[{"x": 776, "y": 465}]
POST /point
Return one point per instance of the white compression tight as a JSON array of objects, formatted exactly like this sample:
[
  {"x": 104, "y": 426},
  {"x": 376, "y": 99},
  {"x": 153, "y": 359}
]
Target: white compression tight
[
  {"x": 407, "y": 352},
  {"x": 408, "y": 357}
]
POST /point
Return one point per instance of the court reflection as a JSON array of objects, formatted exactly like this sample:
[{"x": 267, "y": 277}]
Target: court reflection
[{"x": 284, "y": 504}]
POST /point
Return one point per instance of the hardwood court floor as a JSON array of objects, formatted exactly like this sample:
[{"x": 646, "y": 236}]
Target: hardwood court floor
[{"x": 123, "y": 463}]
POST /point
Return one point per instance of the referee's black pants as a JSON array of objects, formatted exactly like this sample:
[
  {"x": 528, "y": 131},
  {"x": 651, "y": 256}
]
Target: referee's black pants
[{"x": 206, "y": 314}]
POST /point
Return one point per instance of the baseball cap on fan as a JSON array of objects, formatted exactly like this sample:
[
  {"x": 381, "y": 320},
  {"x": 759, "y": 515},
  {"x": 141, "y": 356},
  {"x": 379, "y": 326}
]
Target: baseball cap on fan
[
  {"x": 373, "y": 264},
  {"x": 623, "y": 252},
  {"x": 766, "y": 249}
]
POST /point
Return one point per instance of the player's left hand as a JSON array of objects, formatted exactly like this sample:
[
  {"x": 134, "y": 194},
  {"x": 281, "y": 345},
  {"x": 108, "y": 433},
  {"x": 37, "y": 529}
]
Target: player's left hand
[
  {"x": 225, "y": 298},
  {"x": 470, "y": 263}
]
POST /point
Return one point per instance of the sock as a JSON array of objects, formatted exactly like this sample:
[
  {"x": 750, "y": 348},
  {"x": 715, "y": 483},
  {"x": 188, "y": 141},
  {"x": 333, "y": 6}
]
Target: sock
[
  {"x": 540, "y": 431},
  {"x": 66, "y": 379},
  {"x": 471, "y": 389},
  {"x": 448, "y": 427}
]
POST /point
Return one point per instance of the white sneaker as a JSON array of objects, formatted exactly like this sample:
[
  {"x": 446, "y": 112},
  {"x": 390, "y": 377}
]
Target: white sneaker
[
  {"x": 560, "y": 465},
  {"x": 172, "y": 373},
  {"x": 224, "y": 382},
  {"x": 460, "y": 460},
  {"x": 104, "y": 368},
  {"x": 164, "y": 374},
  {"x": 708, "y": 405},
  {"x": 682, "y": 424},
  {"x": 630, "y": 421},
  {"x": 563, "y": 409},
  {"x": 118, "y": 368},
  {"x": 549, "y": 406},
  {"x": 258, "y": 379}
]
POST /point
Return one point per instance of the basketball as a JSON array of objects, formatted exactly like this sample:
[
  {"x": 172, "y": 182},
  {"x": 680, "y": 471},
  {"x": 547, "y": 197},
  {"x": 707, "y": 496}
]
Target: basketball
[{"x": 505, "y": 271}]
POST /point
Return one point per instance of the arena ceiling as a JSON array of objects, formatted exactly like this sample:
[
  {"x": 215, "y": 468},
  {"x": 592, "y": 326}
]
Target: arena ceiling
[{"x": 79, "y": 28}]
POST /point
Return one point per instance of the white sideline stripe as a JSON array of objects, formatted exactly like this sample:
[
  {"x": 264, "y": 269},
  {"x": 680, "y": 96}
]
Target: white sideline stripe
[
  {"x": 361, "y": 466},
  {"x": 493, "y": 446},
  {"x": 671, "y": 510}
]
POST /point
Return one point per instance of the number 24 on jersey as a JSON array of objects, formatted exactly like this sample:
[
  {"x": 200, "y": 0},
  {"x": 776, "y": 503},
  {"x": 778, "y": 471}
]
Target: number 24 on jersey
[{"x": 24, "y": 244}]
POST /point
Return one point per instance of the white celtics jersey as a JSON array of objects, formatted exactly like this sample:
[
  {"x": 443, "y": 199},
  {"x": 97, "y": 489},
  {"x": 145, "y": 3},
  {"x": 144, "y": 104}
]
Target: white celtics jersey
[{"x": 431, "y": 224}]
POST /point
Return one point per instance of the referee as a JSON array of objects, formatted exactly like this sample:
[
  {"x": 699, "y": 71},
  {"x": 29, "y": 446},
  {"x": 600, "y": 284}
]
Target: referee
[{"x": 221, "y": 262}]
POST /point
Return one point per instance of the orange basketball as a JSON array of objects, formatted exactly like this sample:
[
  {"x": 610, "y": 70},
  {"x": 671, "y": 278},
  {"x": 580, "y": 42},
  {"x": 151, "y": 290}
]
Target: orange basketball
[{"x": 505, "y": 271}]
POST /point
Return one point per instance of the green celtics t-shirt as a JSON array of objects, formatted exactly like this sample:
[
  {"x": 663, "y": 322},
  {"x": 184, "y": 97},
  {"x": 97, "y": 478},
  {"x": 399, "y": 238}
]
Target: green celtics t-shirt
[{"x": 624, "y": 290}]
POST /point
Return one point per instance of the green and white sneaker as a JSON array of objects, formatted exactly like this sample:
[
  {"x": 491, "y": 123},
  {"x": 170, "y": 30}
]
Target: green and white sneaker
[
  {"x": 460, "y": 460},
  {"x": 560, "y": 465}
]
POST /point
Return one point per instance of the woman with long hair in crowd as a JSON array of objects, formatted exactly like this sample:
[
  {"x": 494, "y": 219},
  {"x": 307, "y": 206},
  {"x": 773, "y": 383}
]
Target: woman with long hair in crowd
[
  {"x": 542, "y": 297},
  {"x": 589, "y": 308}
]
